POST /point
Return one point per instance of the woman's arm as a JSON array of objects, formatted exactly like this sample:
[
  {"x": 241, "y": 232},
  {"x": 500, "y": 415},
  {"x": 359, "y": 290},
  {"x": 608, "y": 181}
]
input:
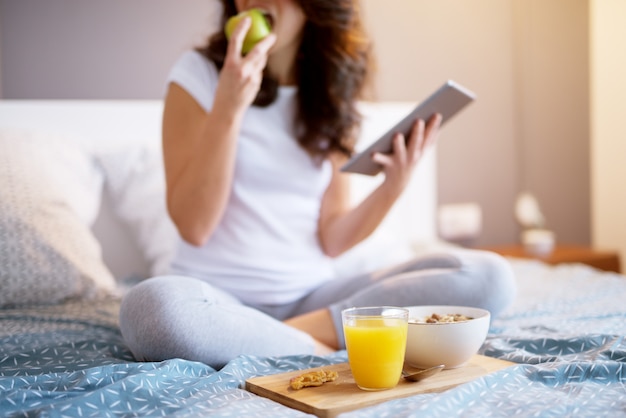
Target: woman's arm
[
  {"x": 199, "y": 148},
  {"x": 341, "y": 228},
  {"x": 199, "y": 153}
]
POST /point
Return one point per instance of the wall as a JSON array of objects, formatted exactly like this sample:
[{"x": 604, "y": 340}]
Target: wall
[
  {"x": 529, "y": 130},
  {"x": 608, "y": 145},
  {"x": 1, "y": 51},
  {"x": 420, "y": 44},
  {"x": 552, "y": 93},
  {"x": 514, "y": 137},
  {"x": 107, "y": 49}
]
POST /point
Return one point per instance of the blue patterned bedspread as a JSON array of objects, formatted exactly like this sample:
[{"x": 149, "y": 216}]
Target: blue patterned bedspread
[{"x": 566, "y": 332}]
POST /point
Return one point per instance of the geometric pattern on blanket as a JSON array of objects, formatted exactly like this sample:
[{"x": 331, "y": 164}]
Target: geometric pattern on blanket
[
  {"x": 82, "y": 367},
  {"x": 550, "y": 390},
  {"x": 170, "y": 388},
  {"x": 567, "y": 329},
  {"x": 179, "y": 387}
]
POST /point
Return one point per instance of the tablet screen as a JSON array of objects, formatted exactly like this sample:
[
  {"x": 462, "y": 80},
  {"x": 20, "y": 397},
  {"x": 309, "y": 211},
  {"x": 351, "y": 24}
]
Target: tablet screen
[{"x": 448, "y": 100}]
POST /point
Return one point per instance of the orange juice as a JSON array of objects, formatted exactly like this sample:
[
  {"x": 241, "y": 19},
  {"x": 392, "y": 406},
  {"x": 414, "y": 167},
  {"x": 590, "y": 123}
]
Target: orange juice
[{"x": 376, "y": 349}]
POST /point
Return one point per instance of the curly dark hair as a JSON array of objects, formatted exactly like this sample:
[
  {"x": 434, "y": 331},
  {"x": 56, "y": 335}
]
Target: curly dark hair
[{"x": 332, "y": 72}]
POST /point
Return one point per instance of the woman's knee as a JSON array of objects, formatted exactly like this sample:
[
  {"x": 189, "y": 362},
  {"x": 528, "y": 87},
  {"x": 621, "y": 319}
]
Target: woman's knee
[
  {"x": 485, "y": 279},
  {"x": 178, "y": 317},
  {"x": 500, "y": 284},
  {"x": 154, "y": 312}
]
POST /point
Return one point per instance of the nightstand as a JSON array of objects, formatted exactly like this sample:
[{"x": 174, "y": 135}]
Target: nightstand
[{"x": 563, "y": 253}]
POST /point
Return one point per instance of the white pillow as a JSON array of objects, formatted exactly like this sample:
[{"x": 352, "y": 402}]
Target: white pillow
[
  {"x": 49, "y": 195},
  {"x": 135, "y": 181}
]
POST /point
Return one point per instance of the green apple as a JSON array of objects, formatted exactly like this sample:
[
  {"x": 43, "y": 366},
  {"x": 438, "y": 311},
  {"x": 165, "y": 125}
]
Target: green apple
[{"x": 259, "y": 28}]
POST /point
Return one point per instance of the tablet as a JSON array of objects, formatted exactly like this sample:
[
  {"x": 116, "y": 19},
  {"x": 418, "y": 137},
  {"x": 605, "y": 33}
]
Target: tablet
[{"x": 448, "y": 100}]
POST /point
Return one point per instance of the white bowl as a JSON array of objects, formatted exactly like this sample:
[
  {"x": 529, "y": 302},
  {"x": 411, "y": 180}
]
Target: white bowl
[{"x": 449, "y": 343}]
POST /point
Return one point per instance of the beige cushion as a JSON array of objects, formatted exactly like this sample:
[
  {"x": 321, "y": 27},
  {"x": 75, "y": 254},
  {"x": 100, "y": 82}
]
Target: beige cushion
[{"x": 50, "y": 192}]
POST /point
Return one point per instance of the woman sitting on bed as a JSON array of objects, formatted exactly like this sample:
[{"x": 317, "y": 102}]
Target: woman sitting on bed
[{"x": 252, "y": 148}]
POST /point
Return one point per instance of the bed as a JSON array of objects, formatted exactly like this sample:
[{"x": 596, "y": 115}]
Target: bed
[{"x": 82, "y": 219}]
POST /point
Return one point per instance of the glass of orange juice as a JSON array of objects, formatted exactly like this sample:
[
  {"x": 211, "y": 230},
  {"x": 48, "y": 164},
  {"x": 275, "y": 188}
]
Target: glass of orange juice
[{"x": 376, "y": 342}]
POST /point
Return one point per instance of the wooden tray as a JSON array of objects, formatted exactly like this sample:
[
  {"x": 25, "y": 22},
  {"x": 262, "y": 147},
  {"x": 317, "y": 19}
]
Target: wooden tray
[{"x": 343, "y": 395}]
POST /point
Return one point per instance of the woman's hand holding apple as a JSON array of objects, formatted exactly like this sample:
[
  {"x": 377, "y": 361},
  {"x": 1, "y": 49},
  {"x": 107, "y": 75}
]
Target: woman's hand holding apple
[
  {"x": 258, "y": 30},
  {"x": 241, "y": 75}
]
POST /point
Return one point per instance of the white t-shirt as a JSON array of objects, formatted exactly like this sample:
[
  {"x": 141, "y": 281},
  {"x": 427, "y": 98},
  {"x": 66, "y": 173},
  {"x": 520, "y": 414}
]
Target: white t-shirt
[{"x": 265, "y": 249}]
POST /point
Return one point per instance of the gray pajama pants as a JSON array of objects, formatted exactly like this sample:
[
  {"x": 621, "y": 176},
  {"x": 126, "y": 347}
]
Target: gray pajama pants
[{"x": 181, "y": 317}]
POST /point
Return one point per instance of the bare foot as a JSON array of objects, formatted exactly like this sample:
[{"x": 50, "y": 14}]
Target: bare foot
[
  {"x": 322, "y": 349},
  {"x": 319, "y": 325}
]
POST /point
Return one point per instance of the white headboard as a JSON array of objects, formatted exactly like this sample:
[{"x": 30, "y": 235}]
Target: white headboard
[{"x": 125, "y": 126}]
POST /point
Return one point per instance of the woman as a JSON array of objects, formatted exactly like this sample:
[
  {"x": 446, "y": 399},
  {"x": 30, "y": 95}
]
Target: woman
[{"x": 252, "y": 148}]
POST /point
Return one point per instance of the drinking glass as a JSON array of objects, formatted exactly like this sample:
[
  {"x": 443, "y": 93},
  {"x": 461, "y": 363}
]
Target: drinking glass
[{"x": 376, "y": 342}]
